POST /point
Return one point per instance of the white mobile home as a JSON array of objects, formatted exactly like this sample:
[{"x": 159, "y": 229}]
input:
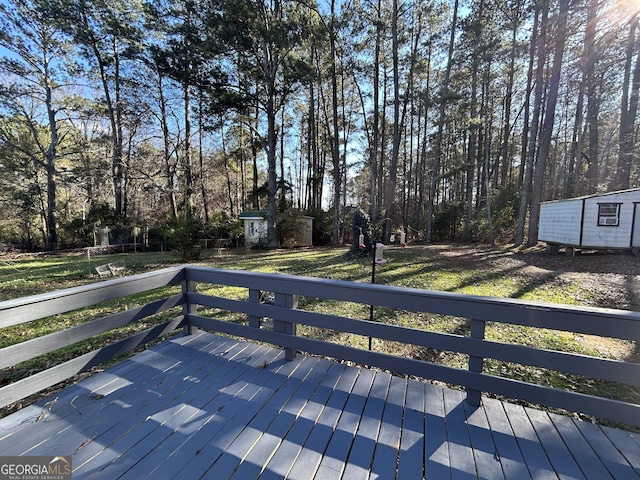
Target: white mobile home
[{"x": 602, "y": 221}]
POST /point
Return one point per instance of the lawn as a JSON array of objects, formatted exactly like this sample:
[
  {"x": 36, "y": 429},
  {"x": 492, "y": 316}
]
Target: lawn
[{"x": 592, "y": 279}]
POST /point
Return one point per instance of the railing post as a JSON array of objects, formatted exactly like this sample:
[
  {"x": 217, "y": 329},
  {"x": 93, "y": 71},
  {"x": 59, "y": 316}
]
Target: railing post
[
  {"x": 254, "y": 297},
  {"x": 188, "y": 308},
  {"x": 474, "y": 397},
  {"x": 286, "y": 300}
]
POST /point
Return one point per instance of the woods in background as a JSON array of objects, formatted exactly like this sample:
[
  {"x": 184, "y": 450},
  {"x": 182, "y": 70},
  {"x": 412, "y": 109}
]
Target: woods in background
[{"x": 454, "y": 118}]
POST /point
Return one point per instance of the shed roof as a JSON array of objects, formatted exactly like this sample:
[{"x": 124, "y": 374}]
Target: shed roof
[
  {"x": 253, "y": 215},
  {"x": 593, "y": 195}
]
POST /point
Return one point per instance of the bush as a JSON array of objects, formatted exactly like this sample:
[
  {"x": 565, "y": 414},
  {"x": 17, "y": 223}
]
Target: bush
[
  {"x": 322, "y": 227},
  {"x": 505, "y": 203},
  {"x": 447, "y": 221},
  {"x": 288, "y": 226},
  {"x": 184, "y": 233},
  {"x": 222, "y": 228},
  {"x": 76, "y": 233}
]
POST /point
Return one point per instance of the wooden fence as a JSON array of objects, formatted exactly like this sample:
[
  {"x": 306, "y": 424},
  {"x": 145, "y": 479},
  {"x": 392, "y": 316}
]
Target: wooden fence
[{"x": 284, "y": 314}]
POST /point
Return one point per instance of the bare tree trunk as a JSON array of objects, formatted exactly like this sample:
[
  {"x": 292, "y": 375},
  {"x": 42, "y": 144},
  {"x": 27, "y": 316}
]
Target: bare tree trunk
[
  {"x": 202, "y": 176},
  {"x": 593, "y": 104},
  {"x": 486, "y": 153},
  {"x": 312, "y": 159},
  {"x": 227, "y": 171},
  {"x": 472, "y": 149},
  {"x": 272, "y": 182},
  {"x": 254, "y": 158},
  {"x": 538, "y": 43},
  {"x": 169, "y": 169},
  {"x": 395, "y": 149},
  {"x": 335, "y": 134},
  {"x": 629, "y": 108},
  {"x": 575, "y": 153},
  {"x": 441, "y": 121},
  {"x": 375, "y": 128},
  {"x": 283, "y": 190},
  {"x": 506, "y": 127},
  {"x": 188, "y": 173},
  {"x": 115, "y": 117},
  {"x": 243, "y": 173},
  {"x": 382, "y": 143},
  {"x": 524, "y": 153},
  {"x": 548, "y": 122},
  {"x": 50, "y": 157},
  {"x": 425, "y": 135}
]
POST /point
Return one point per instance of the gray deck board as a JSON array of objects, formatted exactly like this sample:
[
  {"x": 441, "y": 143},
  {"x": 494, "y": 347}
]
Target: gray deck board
[
  {"x": 588, "y": 461},
  {"x": 335, "y": 455},
  {"x": 145, "y": 410},
  {"x": 205, "y": 406},
  {"x": 199, "y": 402},
  {"x": 489, "y": 464},
  {"x": 238, "y": 448},
  {"x": 364, "y": 444},
  {"x": 386, "y": 453},
  {"x": 626, "y": 444},
  {"x": 283, "y": 459},
  {"x": 436, "y": 445},
  {"x": 612, "y": 459},
  {"x": 20, "y": 425},
  {"x": 517, "y": 443},
  {"x": 310, "y": 456},
  {"x": 561, "y": 459},
  {"x": 463, "y": 464},
  {"x": 146, "y": 431},
  {"x": 410, "y": 464},
  {"x": 276, "y": 425},
  {"x": 236, "y": 406}
]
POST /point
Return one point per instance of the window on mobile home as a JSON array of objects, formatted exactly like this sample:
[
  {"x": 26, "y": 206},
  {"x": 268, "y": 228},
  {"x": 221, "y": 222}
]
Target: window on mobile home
[{"x": 609, "y": 214}]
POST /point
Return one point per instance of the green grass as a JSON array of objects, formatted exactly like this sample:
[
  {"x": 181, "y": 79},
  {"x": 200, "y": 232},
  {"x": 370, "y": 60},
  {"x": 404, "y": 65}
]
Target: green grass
[
  {"x": 20, "y": 277},
  {"x": 488, "y": 272},
  {"x": 23, "y": 276}
]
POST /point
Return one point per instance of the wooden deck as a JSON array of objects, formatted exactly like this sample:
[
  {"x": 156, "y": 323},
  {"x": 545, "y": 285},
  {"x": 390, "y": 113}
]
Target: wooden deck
[{"x": 204, "y": 406}]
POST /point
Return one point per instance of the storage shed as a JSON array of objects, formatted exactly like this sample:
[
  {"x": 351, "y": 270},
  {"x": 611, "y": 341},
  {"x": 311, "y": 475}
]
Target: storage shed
[
  {"x": 255, "y": 230},
  {"x": 601, "y": 221},
  {"x": 301, "y": 235},
  {"x": 255, "y": 227}
]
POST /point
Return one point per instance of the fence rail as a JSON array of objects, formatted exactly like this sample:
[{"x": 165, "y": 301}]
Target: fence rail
[{"x": 284, "y": 315}]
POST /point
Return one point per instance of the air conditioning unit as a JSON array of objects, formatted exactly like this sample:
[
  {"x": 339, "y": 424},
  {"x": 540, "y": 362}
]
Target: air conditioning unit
[{"x": 608, "y": 221}]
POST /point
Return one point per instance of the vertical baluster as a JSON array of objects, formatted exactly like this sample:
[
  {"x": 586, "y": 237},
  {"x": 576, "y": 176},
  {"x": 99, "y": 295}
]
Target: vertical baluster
[
  {"x": 254, "y": 297},
  {"x": 286, "y": 300},
  {"x": 476, "y": 364},
  {"x": 187, "y": 307}
]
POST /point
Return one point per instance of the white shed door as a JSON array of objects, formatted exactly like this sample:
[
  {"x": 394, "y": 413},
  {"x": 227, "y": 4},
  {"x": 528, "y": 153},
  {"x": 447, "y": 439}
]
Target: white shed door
[{"x": 635, "y": 232}]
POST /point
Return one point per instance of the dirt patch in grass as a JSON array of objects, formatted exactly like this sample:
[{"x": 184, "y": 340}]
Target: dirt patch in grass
[
  {"x": 608, "y": 279},
  {"x": 594, "y": 278}
]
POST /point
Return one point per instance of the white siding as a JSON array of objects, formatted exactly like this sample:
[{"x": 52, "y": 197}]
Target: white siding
[
  {"x": 255, "y": 231},
  {"x": 560, "y": 222},
  {"x": 609, "y": 236}
]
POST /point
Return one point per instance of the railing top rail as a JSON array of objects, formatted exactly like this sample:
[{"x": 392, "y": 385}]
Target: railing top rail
[
  {"x": 24, "y": 309},
  {"x": 606, "y": 322},
  {"x": 580, "y": 319}
]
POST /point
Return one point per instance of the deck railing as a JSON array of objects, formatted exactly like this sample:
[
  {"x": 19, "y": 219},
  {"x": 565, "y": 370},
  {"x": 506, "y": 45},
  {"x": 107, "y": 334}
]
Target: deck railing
[{"x": 283, "y": 315}]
